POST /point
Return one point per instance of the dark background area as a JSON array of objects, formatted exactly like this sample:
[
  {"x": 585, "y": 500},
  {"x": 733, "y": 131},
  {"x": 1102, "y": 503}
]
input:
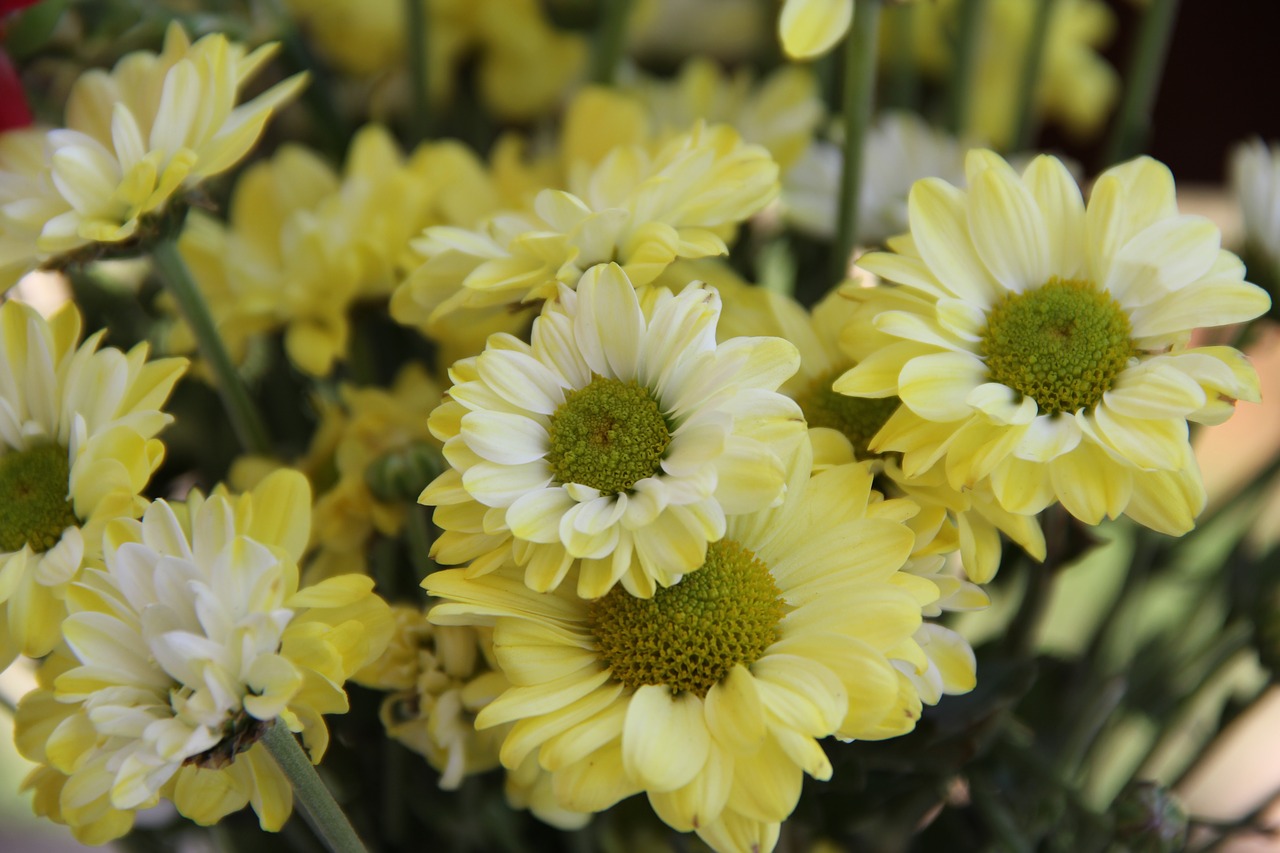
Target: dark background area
[{"x": 1221, "y": 83}]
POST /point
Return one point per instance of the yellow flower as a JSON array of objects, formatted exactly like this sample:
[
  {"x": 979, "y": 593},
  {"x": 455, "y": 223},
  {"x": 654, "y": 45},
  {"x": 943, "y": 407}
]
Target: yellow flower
[
  {"x": 711, "y": 696},
  {"x": 1043, "y": 347},
  {"x": 1077, "y": 87},
  {"x": 616, "y": 443},
  {"x": 781, "y": 113},
  {"x": 192, "y": 640},
  {"x": 134, "y": 137},
  {"x": 303, "y": 245},
  {"x": 524, "y": 63},
  {"x": 384, "y": 455},
  {"x": 810, "y": 28},
  {"x": 831, "y": 340},
  {"x": 77, "y": 445},
  {"x": 441, "y": 677},
  {"x": 639, "y": 209}
]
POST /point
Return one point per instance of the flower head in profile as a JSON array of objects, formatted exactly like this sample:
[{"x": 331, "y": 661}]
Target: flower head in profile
[
  {"x": 192, "y": 640},
  {"x": 810, "y": 28},
  {"x": 617, "y": 442},
  {"x": 78, "y": 444},
  {"x": 639, "y": 208},
  {"x": 1043, "y": 347},
  {"x": 711, "y": 695},
  {"x": 134, "y": 137}
]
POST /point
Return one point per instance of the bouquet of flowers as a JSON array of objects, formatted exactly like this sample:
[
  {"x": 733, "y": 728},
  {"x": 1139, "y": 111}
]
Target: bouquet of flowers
[{"x": 457, "y": 418}]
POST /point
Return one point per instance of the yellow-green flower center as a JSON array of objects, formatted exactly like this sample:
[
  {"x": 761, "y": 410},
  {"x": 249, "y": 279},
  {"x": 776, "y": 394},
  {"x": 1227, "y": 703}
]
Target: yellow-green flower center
[
  {"x": 1062, "y": 345},
  {"x": 608, "y": 435},
  {"x": 34, "y": 509},
  {"x": 858, "y": 418},
  {"x": 690, "y": 635}
]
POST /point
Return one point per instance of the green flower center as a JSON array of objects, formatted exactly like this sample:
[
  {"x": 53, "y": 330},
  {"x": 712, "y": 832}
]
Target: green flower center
[
  {"x": 690, "y": 635},
  {"x": 1062, "y": 345},
  {"x": 858, "y": 418},
  {"x": 34, "y": 509},
  {"x": 608, "y": 435}
]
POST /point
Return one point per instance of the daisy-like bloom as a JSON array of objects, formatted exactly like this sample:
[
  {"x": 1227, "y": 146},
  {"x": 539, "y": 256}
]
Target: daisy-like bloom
[
  {"x": 1077, "y": 86},
  {"x": 1255, "y": 177},
  {"x": 1043, "y": 347},
  {"x": 781, "y": 113},
  {"x": 900, "y": 149},
  {"x": 711, "y": 695},
  {"x": 192, "y": 640},
  {"x": 639, "y": 208},
  {"x": 152, "y": 127},
  {"x": 810, "y": 28},
  {"x": 77, "y": 445},
  {"x": 831, "y": 339},
  {"x": 617, "y": 441},
  {"x": 303, "y": 243}
]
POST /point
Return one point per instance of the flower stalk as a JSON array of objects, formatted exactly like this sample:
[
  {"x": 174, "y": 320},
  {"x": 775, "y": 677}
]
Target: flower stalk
[
  {"x": 961, "y": 92},
  {"x": 859, "y": 89},
  {"x": 1032, "y": 64},
  {"x": 244, "y": 415},
  {"x": 610, "y": 40},
  {"x": 1142, "y": 81},
  {"x": 419, "y": 69},
  {"x": 318, "y": 805}
]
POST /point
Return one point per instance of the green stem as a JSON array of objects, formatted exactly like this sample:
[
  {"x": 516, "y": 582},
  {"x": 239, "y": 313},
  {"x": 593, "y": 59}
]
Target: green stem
[
  {"x": 1004, "y": 827},
  {"x": 1233, "y": 640},
  {"x": 610, "y": 40},
  {"x": 1142, "y": 81},
  {"x": 902, "y": 83},
  {"x": 319, "y": 808},
  {"x": 244, "y": 416},
  {"x": 1025, "y": 108},
  {"x": 419, "y": 69},
  {"x": 859, "y": 87},
  {"x": 969, "y": 30}
]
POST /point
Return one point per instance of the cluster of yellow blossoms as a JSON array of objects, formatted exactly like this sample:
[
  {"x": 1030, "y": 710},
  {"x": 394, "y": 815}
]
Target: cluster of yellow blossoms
[{"x": 696, "y": 528}]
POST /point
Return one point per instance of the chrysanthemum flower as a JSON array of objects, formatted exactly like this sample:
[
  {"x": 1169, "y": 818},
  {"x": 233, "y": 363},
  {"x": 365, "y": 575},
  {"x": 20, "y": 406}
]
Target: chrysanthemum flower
[
  {"x": 77, "y": 445},
  {"x": 136, "y": 136},
  {"x": 617, "y": 442},
  {"x": 640, "y": 209},
  {"x": 1044, "y": 347},
  {"x": 711, "y": 695},
  {"x": 192, "y": 640},
  {"x": 781, "y": 112}
]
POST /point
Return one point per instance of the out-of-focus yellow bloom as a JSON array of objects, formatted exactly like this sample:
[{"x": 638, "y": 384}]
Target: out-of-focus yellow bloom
[
  {"x": 614, "y": 445},
  {"x": 302, "y": 244},
  {"x": 525, "y": 64},
  {"x": 639, "y": 208},
  {"x": 77, "y": 445},
  {"x": 810, "y": 28},
  {"x": 1043, "y": 347},
  {"x": 1077, "y": 86},
  {"x": 781, "y": 113},
  {"x": 134, "y": 137},
  {"x": 384, "y": 456},
  {"x": 191, "y": 641}
]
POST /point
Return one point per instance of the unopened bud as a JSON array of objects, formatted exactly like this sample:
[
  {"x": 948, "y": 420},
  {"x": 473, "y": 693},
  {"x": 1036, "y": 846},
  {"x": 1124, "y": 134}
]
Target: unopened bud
[{"x": 402, "y": 474}]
